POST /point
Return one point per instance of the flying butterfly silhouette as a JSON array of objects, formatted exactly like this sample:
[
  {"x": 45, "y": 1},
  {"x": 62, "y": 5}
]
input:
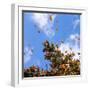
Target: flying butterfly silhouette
[
  {"x": 62, "y": 41},
  {"x": 78, "y": 53},
  {"x": 56, "y": 29},
  {"x": 50, "y": 17},
  {"x": 38, "y": 31}
]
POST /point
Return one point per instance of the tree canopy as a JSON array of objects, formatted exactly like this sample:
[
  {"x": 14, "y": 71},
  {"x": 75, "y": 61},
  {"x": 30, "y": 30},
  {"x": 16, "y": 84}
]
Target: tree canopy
[{"x": 61, "y": 63}]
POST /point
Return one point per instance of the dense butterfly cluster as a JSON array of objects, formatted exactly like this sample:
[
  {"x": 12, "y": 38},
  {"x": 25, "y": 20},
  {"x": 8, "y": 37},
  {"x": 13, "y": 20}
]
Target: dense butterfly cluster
[{"x": 61, "y": 63}]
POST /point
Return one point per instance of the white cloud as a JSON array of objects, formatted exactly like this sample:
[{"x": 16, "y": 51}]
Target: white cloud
[
  {"x": 44, "y": 23},
  {"x": 75, "y": 38},
  {"x": 67, "y": 47},
  {"x": 27, "y": 54},
  {"x": 70, "y": 47},
  {"x": 76, "y": 22}
]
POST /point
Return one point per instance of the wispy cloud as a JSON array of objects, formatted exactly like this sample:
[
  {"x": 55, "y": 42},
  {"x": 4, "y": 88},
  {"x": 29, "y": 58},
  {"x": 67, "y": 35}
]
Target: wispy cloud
[
  {"x": 76, "y": 22},
  {"x": 74, "y": 36},
  {"x": 72, "y": 45},
  {"x": 45, "y": 23},
  {"x": 27, "y": 54}
]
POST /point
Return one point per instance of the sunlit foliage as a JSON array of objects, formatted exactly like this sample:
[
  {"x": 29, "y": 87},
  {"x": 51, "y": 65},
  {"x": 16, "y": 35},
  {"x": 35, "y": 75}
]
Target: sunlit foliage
[{"x": 61, "y": 63}]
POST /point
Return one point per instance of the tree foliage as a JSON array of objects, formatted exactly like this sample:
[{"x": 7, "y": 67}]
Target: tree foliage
[{"x": 61, "y": 63}]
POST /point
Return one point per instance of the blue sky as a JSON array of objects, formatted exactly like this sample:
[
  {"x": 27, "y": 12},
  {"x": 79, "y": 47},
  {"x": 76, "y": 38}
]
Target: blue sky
[{"x": 39, "y": 27}]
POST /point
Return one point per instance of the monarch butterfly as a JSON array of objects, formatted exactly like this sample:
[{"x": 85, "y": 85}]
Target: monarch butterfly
[
  {"x": 50, "y": 17},
  {"x": 38, "y": 31},
  {"x": 56, "y": 29}
]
